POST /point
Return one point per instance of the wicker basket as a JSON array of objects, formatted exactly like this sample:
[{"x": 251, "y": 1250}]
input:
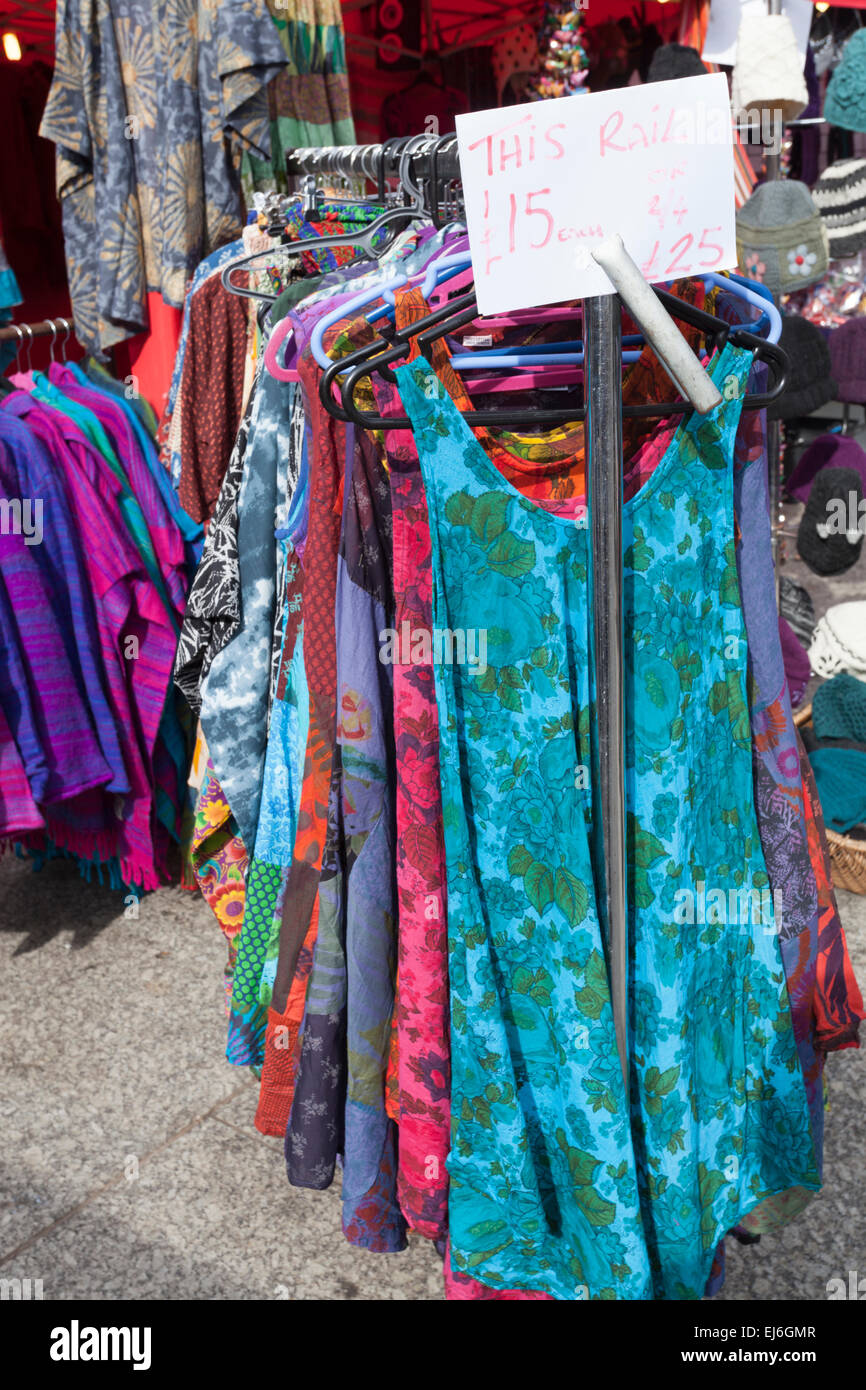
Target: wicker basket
[{"x": 847, "y": 855}]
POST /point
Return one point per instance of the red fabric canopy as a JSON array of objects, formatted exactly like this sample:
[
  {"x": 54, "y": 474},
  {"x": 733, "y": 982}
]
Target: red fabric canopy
[
  {"x": 455, "y": 24},
  {"x": 34, "y": 26}
]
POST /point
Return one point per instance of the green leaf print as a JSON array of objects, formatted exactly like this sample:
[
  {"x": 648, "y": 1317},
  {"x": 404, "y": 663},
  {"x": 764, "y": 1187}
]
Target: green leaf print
[
  {"x": 509, "y": 675},
  {"x": 509, "y": 697},
  {"x": 729, "y": 589},
  {"x": 638, "y": 555},
  {"x": 658, "y": 1084},
  {"x": 710, "y": 1180},
  {"x": 596, "y": 992},
  {"x": 581, "y": 1165},
  {"x": 482, "y": 1229},
  {"x": 687, "y": 663},
  {"x": 643, "y": 850},
  {"x": 489, "y": 516},
  {"x": 459, "y": 509},
  {"x": 738, "y": 711},
  {"x": 542, "y": 984},
  {"x": 483, "y": 1256},
  {"x": 655, "y": 690},
  {"x": 601, "y": 1097},
  {"x": 570, "y": 896},
  {"x": 511, "y": 556},
  {"x": 597, "y": 1209},
  {"x": 713, "y": 453},
  {"x": 521, "y": 980},
  {"x": 539, "y": 886}
]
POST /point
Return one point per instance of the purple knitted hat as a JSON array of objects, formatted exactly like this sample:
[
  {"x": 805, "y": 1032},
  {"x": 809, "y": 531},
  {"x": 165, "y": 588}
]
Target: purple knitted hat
[
  {"x": 834, "y": 450},
  {"x": 796, "y": 660},
  {"x": 848, "y": 355}
]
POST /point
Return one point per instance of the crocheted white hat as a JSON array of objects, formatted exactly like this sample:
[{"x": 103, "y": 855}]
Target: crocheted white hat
[
  {"x": 768, "y": 73},
  {"x": 839, "y": 641}
]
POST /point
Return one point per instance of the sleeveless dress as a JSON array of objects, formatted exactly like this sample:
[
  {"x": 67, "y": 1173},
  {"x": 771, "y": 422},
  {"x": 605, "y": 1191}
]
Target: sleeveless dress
[{"x": 555, "y": 1184}]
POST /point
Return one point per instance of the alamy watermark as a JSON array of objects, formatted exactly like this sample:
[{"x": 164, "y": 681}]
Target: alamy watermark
[
  {"x": 438, "y": 646},
  {"x": 744, "y": 907},
  {"x": 846, "y": 516},
  {"x": 21, "y": 516},
  {"x": 854, "y": 1288},
  {"x": 20, "y": 1290}
]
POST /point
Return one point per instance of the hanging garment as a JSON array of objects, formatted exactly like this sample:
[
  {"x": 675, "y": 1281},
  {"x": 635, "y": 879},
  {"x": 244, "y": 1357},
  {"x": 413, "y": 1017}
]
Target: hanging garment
[
  {"x": 536, "y": 989},
  {"x": 553, "y": 467},
  {"x": 213, "y": 609},
  {"x": 363, "y": 811},
  {"x": 27, "y": 470},
  {"x": 282, "y": 777},
  {"x": 236, "y": 689},
  {"x": 137, "y": 644},
  {"x": 308, "y": 102},
  {"x": 19, "y": 814},
  {"x": 158, "y": 188}
]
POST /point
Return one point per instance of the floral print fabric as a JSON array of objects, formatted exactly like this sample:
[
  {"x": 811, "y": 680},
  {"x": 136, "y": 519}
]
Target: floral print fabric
[{"x": 545, "y": 1191}]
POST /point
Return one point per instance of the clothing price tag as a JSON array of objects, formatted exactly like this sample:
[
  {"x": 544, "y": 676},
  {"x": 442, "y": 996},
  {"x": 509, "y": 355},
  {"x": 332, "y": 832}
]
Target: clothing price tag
[{"x": 546, "y": 182}]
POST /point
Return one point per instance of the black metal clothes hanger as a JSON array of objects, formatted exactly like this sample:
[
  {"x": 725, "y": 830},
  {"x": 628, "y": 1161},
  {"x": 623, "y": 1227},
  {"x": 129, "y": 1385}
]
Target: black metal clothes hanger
[{"x": 379, "y": 355}]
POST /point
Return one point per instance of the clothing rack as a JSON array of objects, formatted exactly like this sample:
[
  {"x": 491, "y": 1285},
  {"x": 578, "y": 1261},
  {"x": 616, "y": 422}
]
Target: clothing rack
[
  {"x": 433, "y": 161},
  {"x": 429, "y": 160},
  {"x": 35, "y": 330}
]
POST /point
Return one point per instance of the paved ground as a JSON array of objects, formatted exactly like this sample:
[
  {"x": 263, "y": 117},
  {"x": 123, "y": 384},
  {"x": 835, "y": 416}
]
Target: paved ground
[{"x": 129, "y": 1165}]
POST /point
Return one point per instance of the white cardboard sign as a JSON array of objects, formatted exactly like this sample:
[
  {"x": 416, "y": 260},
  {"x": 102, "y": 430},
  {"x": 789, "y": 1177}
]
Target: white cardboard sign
[{"x": 546, "y": 182}]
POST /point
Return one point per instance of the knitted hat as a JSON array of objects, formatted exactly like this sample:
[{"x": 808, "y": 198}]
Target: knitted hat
[
  {"x": 839, "y": 643},
  {"x": 675, "y": 60},
  {"x": 839, "y": 449},
  {"x": 797, "y": 608},
  {"x": 768, "y": 71},
  {"x": 840, "y": 197},
  {"x": 848, "y": 356},
  {"x": 796, "y": 662},
  {"x": 839, "y": 709},
  {"x": 845, "y": 102},
  {"x": 827, "y": 540},
  {"x": 809, "y": 382},
  {"x": 840, "y": 775},
  {"x": 780, "y": 236}
]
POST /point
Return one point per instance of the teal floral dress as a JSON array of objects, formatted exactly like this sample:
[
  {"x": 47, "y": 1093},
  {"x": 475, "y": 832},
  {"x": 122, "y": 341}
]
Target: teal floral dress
[{"x": 557, "y": 1184}]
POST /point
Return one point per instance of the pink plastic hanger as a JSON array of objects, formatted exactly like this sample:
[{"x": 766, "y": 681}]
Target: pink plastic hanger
[{"x": 284, "y": 329}]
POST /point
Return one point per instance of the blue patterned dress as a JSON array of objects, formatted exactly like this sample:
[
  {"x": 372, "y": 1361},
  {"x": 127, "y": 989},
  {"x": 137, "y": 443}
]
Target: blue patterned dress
[{"x": 556, "y": 1184}]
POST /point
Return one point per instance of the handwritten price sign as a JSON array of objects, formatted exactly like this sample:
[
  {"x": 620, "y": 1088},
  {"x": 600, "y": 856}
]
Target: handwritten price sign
[{"x": 547, "y": 182}]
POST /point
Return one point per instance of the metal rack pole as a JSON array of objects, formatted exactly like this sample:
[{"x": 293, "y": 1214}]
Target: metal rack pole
[
  {"x": 603, "y": 358},
  {"x": 35, "y": 330}
]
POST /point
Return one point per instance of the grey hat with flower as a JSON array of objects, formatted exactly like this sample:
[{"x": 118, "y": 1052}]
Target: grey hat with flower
[{"x": 781, "y": 239}]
